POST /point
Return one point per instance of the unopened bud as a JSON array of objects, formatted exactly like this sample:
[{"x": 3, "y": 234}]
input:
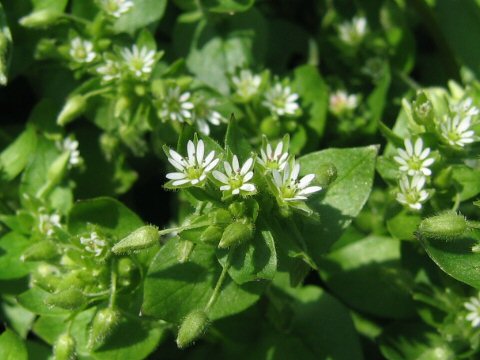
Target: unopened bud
[
  {"x": 42, "y": 250},
  {"x": 212, "y": 234},
  {"x": 192, "y": 328},
  {"x": 326, "y": 174},
  {"x": 220, "y": 217},
  {"x": 235, "y": 234},
  {"x": 422, "y": 109},
  {"x": 103, "y": 324},
  {"x": 446, "y": 226},
  {"x": 142, "y": 238},
  {"x": 64, "y": 348},
  {"x": 40, "y": 18},
  {"x": 184, "y": 249},
  {"x": 70, "y": 299},
  {"x": 73, "y": 108}
]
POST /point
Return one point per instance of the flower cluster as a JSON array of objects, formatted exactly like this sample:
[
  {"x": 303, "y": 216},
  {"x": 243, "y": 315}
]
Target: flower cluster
[
  {"x": 340, "y": 102},
  {"x": 281, "y": 101},
  {"x": 93, "y": 243},
  {"x": 352, "y": 33},
  {"x": 237, "y": 178},
  {"x": 116, "y": 8},
  {"x": 414, "y": 163},
  {"x": 71, "y": 145},
  {"x": 48, "y": 222}
]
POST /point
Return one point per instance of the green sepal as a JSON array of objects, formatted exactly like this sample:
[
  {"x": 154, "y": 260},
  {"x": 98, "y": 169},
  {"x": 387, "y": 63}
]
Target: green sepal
[
  {"x": 64, "y": 348},
  {"x": 235, "y": 234},
  {"x": 40, "y": 251},
  {"x": 142, "y": 238},
  {"x": 103, "y": 324},
  {"x": 192, "y": 328},
  {"x": 69, "y": 299}
]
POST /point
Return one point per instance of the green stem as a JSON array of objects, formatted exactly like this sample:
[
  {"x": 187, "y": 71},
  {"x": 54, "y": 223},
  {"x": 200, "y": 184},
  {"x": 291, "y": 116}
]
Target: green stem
[
  {"x": 218, "y": 285},
  {"x": 182, "y": 228},
  {"x": 113, "y": 284},
  {"x": 76, "y": 19},
  {"x": 97, "y": 92}
]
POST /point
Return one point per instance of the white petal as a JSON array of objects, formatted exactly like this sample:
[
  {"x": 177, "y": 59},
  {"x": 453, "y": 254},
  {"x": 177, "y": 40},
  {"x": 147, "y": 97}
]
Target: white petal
[
  {"x": 220, "y": 176},
  {"x": 248, "y": 187},
  {"x": 246, "y": 167},
  {"x": 200, "y": 152},
  {"x": 180, "y": 182},
  {"x": 248, "y": 176},
  {"x": 309, "y": 190},
  {"x": 235, "y": 164},
  {"x": 191, "y": 150},
  {"x": 228, "y": 168},
  {"x": 225, "y": 187},
  {"x": 210, "y": 166},
  {"x": 176, "y": 176},
  {"x": 307, "y": 179}
]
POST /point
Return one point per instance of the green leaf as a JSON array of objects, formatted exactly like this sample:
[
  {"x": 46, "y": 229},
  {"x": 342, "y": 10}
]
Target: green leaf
[
  {"x": 16, "y": 156},
  {"x": 5, "y": 47},
  {"x": 313, "y": 91},
  {"x": 143, "y": 13},
  {"x": 12, "y": 246},
  {"x": 467, "y": 179},
  {"x": 236, "y": 141},
  {"x": 377, "y": 100},
  {"x": 456, "y": 257},
  {"x": 252, "y": 261},
  {"x": 343, "y": 199},
  {"x": 12, "y": 347},
  {"x": 320, "y": 328},
  {"x": 172, "y": 289},
  {"x": 229, "y": 6},
  {"x": 414, "y": 341},
  {"x": 367, "y": 275},
  {"x": 403, "y": 225},
  {"x": 107, "y": 214},
  {"x": 16, "y": 316},
  {"x": 57, "y": 5}
]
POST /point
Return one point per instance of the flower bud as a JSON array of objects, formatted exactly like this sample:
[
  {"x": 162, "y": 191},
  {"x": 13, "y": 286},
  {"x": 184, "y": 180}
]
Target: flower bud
[
  {"x": 70, "y": 299},
  {"x": 109, "y": 143},
  {"x": 220, "y": 217},
  {"x": 422, "y": 109},
  {"x": 45, "y": 276},
  {"x": 184, "y": 249},
  {"x": 212, "y": 234},
  {"x": 40, "y": 18},
  {"x": 103, "y": 324},
  {"x": 235, "y": 234},
  {"x": 271, "y": 127},
  {"x": 73, "y": 108},
  {"x": 237, "y": 209},
  {"x": 42, "y": 250},
  {"x": 191, "y": 328},
  {"x": 326, "y": 174},
  {"x": 64, "y": 348},
  {"x": 58, "y": 168},
  {"x": 142, "y": 238},
  {"x": 446, "y": 226}
]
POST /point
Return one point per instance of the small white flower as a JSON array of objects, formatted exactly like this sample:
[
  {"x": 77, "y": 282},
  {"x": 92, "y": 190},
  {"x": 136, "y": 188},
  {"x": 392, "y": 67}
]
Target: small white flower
[
  {"x": 289, "y": 187},
  {"x": 93, "y": 243},
  {"x": 465, "y": 108},
  {"x": 176, "y": 106},
  {"x": 456, "y": 130},
  {"x": 414, "y": 159},
  {"x": 193, "y": 169},
  {"x": 116, "y": 8},
  {"x": 236, "y": 179},
  {"x": 281, "y": 101},
  {"x": 71, "y": 145},
  {"x": 274, "y": 160},
  {"x": 474, "y": 307},
  {"x": 412, "y": 192},
  {"x": 82, "y": 51},
  {"x": 341, "y": 102},
  {"x": 48, "y": 222},
  {"x": 139, "y": 61},
  {"x": 352, "y": 33},
  {"x": 204, "y": 114},
  {"x": 246, "y": 84},
  {"x": 109, "y": 71}
]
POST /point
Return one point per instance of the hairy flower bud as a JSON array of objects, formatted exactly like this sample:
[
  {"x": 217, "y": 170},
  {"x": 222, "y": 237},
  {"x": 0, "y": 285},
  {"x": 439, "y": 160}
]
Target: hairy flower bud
[
  {"x": 42, "y": 250},
  {"x": 70, "y": 299},
  {"x": 40, "y": 18},
  {"x": 220, "y": 217},
  {"x": 212, "y": 234},
  {"x": 103, "y": 324},
  {"x": 64, "y": 348},
  {"x": 446, "y": 226},
  {"x": 73, "y": 108},
  {"x": 142, "y": 238},
  {"x": 235, "y": 234},
  {"x": 191, "y": 328}
]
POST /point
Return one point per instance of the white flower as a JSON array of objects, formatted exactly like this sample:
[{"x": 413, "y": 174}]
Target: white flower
[
  {"x": 474, "y": 307},
  {"x": 71, "y": 145},
  {"x": 47, "y": 222},
  {"x": 139, "y": 61},
  {"x": 110, "y": 70},
  {"x": 176, "y": 106},
  {"x": 246, "y": 84},
  {"x": 352, "y": 33},
  {"x": 289, "y": 187},
  {"x": 465, "y": 108},
  {"x": 341, "y": 102},
  {"x": 274, "y": 160},
  {"x": 414, "y": 159},
  {"x": 193, "y": 169},
  {"x": 411, "y": 192},
  {"x": 281, "y": 101},
  {"x": 82, "y": 51},
  {"x": 456, "y": 130},
  {"x": 204, "y": 114},
  {"x": 236, "y": 179},
  {"x": 116, "y": 8},
  {"x": 93, "y": 243}
]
